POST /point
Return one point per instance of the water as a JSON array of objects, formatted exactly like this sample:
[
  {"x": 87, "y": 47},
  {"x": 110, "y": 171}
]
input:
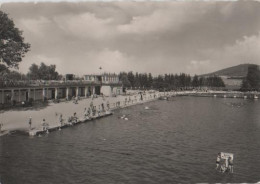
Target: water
[{"x": 173, "y": 141}]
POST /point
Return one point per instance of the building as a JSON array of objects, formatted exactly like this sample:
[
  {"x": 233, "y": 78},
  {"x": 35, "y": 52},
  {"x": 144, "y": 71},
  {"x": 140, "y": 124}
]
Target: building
[
  {"x": 232, "y": 83},
  {"x": 110, "y": 83}
]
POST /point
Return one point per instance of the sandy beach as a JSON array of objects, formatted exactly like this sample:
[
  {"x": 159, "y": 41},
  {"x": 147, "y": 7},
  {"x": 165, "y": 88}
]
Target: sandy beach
[{"x": 18, "y": 119}]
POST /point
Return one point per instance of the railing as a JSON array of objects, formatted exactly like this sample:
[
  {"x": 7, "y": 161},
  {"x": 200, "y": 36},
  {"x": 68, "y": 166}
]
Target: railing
[{"x": 41, "y": 83}]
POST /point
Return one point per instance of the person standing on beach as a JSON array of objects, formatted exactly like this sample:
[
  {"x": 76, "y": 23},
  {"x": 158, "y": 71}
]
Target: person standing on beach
[
  {"x": 60, "y": 120},
  {"x": 44, "y": 127},
  {"x": 108, "y": 105},
  {"x": 103, "y": 107},
  {"x": 85, "y": 112},
  {"x": 30, "y": 123},
  {"x": 1, "y": 125}
]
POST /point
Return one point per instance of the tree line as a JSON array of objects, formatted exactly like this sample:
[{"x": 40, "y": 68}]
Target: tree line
[
  {"x": 252, "y": 80},
  {"x": 168, "y": 81}
]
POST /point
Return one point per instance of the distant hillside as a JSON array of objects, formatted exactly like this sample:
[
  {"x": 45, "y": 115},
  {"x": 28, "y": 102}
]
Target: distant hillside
[{"x": 234, "y": 71}]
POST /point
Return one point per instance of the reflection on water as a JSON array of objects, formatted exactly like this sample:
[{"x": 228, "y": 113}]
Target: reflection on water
[{"x": 173, "y": 141}]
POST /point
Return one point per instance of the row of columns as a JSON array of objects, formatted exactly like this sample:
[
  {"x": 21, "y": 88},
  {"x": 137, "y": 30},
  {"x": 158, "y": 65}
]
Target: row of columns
[
  {"x": 86, "y": 89},
  {"x": 44, "y": 93}
]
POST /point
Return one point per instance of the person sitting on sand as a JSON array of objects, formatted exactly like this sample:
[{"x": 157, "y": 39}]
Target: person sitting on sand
[
  {"x": 75, "y": 118},
  {"x": 89, "y": 112}
]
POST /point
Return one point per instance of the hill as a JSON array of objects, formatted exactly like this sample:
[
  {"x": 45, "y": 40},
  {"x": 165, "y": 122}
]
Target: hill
[{"x": 234, "y": 71}]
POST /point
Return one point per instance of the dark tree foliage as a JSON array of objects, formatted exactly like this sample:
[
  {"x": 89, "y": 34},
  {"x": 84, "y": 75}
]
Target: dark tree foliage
[
  {"x": 195, "y": 81},
  {"x": 131, "y": 78},
  {"x": 252, "y": 80},
  {"x": 168, "y": 81},
  {"x": 43, "y": 72},
  {"x": 124, "y": 78},
  {"x": 12, "y": 46}
]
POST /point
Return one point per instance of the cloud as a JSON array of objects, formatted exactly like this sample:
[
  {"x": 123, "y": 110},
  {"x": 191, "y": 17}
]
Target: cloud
[
  {"x": 198, "y": 67},
  {"x": 109, "y": 60},
  {"x": 85, "y": 25},
  {"x": 158, "y": 37},
  {"x": 244, "y": 50},
  {"x": 34, "y": 27},
  {"x": 38, "y": 59},
  {"x": 166, "y": 19}
]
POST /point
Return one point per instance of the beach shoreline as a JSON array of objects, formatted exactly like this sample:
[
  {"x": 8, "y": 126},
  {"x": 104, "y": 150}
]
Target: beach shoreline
[{"x": 18, "y": 117}]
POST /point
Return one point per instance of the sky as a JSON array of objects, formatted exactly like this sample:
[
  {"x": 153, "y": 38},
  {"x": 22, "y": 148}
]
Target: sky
[{"x": 194, "y": 37}]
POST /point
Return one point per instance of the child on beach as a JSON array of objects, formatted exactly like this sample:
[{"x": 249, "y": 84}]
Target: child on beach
[
  {"x": 30, "y": 123},
  {"x": 45, "y": 125}
]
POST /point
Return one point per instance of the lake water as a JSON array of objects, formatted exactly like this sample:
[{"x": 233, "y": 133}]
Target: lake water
[{"x": 174, "y": 141}]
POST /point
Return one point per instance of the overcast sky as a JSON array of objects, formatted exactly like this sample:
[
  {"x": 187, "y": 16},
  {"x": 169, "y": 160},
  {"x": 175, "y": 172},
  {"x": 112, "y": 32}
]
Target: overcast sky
[{"x": 157, "y": 37}]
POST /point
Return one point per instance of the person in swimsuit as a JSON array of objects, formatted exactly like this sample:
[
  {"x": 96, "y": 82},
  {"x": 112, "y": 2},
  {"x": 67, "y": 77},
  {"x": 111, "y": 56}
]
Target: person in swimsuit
[
  {"x": 75, "y": 118},
  {"x": 1, "y": 125},
  {"x": 218, "y": 161},
  {"x": 230, "y": 164},
  {"x": 61, "y": 120},
  {"x": 30, "y": 123}
]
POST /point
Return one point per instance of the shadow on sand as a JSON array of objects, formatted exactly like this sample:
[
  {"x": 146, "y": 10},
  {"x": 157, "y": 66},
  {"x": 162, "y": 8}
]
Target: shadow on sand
[{"x": 25, "y": 107}]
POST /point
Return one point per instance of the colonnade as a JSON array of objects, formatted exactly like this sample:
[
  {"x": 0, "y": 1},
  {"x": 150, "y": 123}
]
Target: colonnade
[{"x": 44, "y": 93}]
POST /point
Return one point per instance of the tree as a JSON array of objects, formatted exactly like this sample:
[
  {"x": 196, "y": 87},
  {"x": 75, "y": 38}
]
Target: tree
[
  {"x": 137, "y": 80},
  {"x": 195, "y": 81},
  {"x": 150, "y": 80},
  {"x": 43, "y": 72},
  {"x": 33, "y": 73},
  {"x": 12, "y": 45},
  {"x": 123, "y": 77},
  {"x": 252, "y": 78},
  {"x": 131, "y": 78}
]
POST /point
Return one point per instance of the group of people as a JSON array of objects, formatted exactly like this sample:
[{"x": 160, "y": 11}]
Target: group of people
[
  {"x": 72, "y": 119},
  {"x": 224, "y": 164},
  {"x": 75, "y": 99},
  {"x": 93, "y": 111}
]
